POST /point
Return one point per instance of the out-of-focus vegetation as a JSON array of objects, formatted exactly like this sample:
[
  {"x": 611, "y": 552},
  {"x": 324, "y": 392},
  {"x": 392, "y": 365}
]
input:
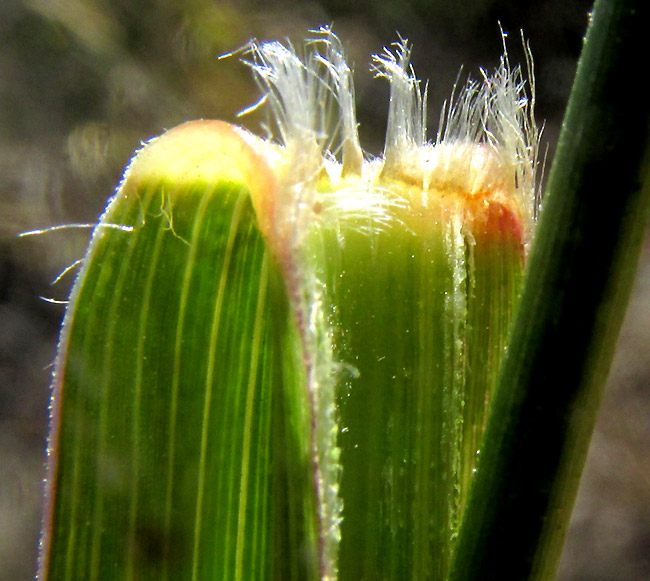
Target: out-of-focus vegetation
[{"x": 83, "y": 82}]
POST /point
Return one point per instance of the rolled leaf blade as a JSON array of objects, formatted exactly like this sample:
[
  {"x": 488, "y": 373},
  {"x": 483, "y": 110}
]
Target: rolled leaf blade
[{"x": 421, "y": 320}]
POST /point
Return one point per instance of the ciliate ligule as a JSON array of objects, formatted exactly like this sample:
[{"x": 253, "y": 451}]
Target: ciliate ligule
[{"x": 486, "y": 145}]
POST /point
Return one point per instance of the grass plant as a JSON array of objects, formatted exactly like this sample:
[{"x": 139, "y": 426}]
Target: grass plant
[{"x": 283, "y": 359}]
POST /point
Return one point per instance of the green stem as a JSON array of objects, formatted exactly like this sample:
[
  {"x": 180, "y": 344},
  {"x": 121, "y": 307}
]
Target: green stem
[{"x": 577, "y": 286}]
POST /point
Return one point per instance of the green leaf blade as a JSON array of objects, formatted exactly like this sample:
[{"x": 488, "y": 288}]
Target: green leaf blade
[{"x": 165, "y": 449}]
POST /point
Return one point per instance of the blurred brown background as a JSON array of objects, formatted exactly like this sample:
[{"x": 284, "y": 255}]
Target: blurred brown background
[{"x": 83, "y": 82}]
